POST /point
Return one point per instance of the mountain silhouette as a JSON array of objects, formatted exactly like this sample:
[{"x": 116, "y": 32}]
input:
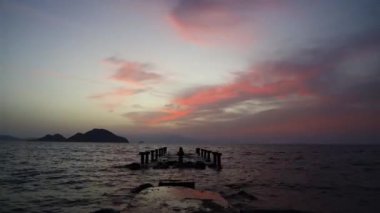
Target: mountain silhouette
[
  {"x": 55, "y": 137},
  {"x": 8, "y": 138},
  {"x": 97, "y": 135}
]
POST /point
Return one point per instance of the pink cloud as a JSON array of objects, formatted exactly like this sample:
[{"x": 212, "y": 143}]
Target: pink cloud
[
  {"x": 151, "y": 118},
  {"x": 133, "y": 72},
  {"x": 171, "y": 115},
  {"x": 114, "y": 99},
  {"x": 123, "y": 92},
  {"x": 256, "y": 83},
  {"x": 246, "y": 86},
  {"x": 209, "y": 23},
  {"x": 300, "y": 97}
]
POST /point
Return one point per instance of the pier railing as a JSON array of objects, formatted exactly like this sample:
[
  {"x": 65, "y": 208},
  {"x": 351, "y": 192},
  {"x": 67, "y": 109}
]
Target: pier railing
[
  {"x": 154, "y": 155},
  {"x": 206, "y": 156},
  {"x": 150, "y": 159}
]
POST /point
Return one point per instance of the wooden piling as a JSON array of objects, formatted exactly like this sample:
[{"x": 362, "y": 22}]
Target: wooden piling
[
  {"x": 214, "y": 158},
  {"x": 141, "y": 158},
  {"x": 208, "y": 159},
  {"x": 152, "y": 156},
  {"x": 219, "y": 160},
  {"x": 147, "y": 157}
]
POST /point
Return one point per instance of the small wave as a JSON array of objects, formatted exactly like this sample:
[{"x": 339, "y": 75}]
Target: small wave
[
  {"x": 360, "y": 163},
  {"x": 25, "y": 173},
  {"x": 71, "y": 182},
  {"x": 57, "y": 171}
]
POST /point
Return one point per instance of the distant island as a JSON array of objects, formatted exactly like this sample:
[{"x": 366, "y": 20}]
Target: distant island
[
  {"x": 9, "y": 138},
  {"x": 95, "y": 135}
]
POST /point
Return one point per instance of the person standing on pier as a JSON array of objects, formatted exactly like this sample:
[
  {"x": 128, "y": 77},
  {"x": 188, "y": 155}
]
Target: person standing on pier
[{"x": 180, "y": 154}]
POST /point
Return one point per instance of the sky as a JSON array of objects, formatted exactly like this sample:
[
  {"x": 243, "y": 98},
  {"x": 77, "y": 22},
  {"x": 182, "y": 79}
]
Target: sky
[{"x": 257, "y": 71}]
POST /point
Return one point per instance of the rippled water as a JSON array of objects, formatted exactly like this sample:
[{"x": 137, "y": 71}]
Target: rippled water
[{"x": 81, "y": 177}]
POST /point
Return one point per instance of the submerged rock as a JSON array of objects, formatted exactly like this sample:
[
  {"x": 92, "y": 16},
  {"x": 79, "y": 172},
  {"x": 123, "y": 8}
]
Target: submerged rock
[
  {"x": 131, "y": 166},
  {"x": 200, "y": 165},
  {"x": 178, "y": 199},
  {"x": 273, "y": 211},
  {"x": 189, "y": 184},
  {"x": 242, "y": 195},
  {"x": 141, "y": 187},
  {"x": 134, "y": 166},
  {"x": 107, "y": 210},
  {"x": 161, "y": 165}
]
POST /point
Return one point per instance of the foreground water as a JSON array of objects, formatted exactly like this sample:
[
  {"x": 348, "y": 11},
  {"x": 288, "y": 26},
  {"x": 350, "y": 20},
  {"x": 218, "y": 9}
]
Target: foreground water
[{"x": 81, "y": 177}]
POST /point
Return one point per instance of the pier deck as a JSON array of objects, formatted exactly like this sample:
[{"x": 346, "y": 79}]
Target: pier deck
[{"x": 161, "y": 159}]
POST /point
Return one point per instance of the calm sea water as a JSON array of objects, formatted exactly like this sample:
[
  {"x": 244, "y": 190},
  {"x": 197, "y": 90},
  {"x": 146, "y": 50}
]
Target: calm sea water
[{"x": 81, "y": 177}]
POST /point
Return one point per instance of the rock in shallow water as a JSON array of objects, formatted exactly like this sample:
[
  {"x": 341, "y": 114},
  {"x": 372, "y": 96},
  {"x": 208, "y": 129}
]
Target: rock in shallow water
[
  {"x": 178, "y": 199},
  {"x": 242, "y": 195},
  {"x": 141, "y": 187},
  {"x": 107, "y": 210},
  {"x": 134, "y": 166},
  {"x": 131, "y": 166},
  {"x": 272, "y": 211}
]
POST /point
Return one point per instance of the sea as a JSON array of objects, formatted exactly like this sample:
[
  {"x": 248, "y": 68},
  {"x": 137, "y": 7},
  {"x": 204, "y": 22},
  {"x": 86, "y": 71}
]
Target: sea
[{"x": 86, "y": 177}]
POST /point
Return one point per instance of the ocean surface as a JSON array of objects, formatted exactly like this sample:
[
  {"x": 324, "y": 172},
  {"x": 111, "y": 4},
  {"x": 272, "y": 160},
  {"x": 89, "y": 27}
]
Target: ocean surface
[{"x": 82, "y": 177}]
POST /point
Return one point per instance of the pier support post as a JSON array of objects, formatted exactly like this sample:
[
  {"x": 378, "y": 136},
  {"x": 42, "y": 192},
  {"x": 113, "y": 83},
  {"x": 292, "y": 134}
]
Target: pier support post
[
  {"x": 156, "y": 153},
  {"x": 197, "y": 151},
  {"x": 147, "y": 157},
  {"x": 219, "y": 160},
  {"x": 152, "y": 156},
  {"x": 141, "y": 158},
  {"x": 214, "y": 158},
  {"x": 208, "y": 159}
]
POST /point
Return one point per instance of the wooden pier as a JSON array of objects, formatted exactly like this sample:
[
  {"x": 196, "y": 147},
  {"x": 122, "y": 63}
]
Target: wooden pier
[{"x": 161, "y": 159}]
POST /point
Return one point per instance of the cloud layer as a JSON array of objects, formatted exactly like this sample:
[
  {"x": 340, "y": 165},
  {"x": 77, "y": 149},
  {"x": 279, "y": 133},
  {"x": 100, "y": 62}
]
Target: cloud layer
[
  {"x": 210, "y": 22},
  {"x": 136, "y": 74},
  {"x": 132, "y": 72},
  {"x": 309, "y": 93}
]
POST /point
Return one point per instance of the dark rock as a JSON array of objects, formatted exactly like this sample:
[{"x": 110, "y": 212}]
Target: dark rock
[
  {"x": 133, "y": 166},
  {"x": 171, "y": 163},
  {"x": 188, "y": 184},
  {"x": 246, "y": 195},
  {"x": 184, "y": 165},
  {"x": 97, "y": 135},
  {"x": 141, "y": 187},
  {"x": 161, "y": 165},
  {"x": 237, "y": 185},
  {"x": 106, "y": 210},
  {"x": 272, "y": 211},
  {"x": 242, "y": 195},
  {"x": 199, "y": 165}
]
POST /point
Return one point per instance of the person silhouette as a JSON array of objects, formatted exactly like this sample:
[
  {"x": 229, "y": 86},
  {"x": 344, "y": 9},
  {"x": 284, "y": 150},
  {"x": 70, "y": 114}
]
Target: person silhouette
[{"x": 180, "y": 154}]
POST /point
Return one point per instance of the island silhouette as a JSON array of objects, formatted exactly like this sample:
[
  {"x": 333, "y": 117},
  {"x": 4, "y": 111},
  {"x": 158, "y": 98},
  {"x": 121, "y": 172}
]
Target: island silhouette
[{"x": 94, "y": 135}]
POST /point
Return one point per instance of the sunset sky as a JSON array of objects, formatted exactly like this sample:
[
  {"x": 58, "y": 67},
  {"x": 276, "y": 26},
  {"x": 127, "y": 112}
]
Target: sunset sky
[{"x": 229, "y": 70}]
